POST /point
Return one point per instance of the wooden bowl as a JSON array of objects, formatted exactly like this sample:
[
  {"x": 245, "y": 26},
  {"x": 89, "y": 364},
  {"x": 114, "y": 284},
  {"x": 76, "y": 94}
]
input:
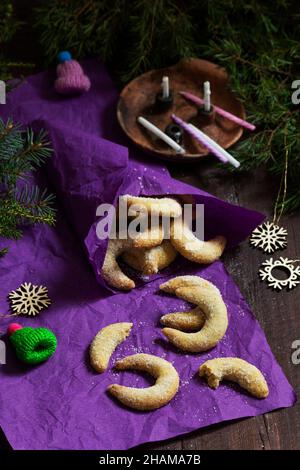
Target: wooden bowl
[{"x": 138, "y": 98}]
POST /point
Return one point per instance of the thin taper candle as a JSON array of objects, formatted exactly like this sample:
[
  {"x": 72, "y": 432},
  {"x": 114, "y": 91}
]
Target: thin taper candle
[
  {"x": 209, "y": 143},
  {"x": 217, "y": 147},
  {"x": 199, "y": 101},
  {"x": 204, "y": 142},
  {"x": 160, "y": 134},
  {"x": 165, "y": 87},
  {"x": 206, "y": 96}
]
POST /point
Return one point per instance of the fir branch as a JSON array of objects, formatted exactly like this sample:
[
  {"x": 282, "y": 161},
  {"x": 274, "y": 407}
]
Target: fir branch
[
  {"x": 21, "y": 152},
  {"x": 9, "y": 25},
  {"x": 3, "y": 252},
  {"x": 85, "y": 29},
  {"x": 36, "y": 205},
  {"x": 136, "y": 33},
  {"x": 29, "y": 207}
]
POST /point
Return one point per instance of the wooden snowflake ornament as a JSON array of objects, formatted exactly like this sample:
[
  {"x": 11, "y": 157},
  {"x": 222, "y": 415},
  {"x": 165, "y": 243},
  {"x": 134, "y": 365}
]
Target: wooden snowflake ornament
[
  {"x": 269, "y": 237},
  {"x": 293, "y": 273},
  {"x": 29, "y": 299}
]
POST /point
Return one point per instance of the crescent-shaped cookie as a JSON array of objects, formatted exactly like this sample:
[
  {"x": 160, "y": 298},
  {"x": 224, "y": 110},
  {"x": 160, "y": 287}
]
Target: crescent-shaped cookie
[
  {"x": 111, "y": 270},
  {"x": 189, "y": 246},
  {"x": 192, "y": 320},
  {"x": 182, "y": 281},
  {"x": 164, "y": 207},
  {"x": 150, "y": 261},
  {"x": 149, "y": 398},
  {"x": 236, "y": 370},
  {"x": 208, "y": 298},
  {"x": 105, "y": 342},
  {"x": 148, "y": 238}
]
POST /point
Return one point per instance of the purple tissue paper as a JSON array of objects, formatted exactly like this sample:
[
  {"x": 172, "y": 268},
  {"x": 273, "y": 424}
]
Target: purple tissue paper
[{"x": 63, "y": 404}]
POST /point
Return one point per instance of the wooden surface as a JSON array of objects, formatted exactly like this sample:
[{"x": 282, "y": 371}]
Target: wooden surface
[{"x": 277, "y": 312}]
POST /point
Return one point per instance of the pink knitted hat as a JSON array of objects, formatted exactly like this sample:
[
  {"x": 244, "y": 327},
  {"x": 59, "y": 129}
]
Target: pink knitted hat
[{"x": 70, "y": 76}]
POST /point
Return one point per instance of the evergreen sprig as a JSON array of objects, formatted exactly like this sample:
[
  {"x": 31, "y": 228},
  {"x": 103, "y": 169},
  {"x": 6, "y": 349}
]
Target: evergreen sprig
[
  {"x": 130, "y": 35},
  {"x": 8, "y": 22},
  {"x": 21, "y": 203},
  {"x": 20, "y": 152},
  {"x": 9, "y": 25}
]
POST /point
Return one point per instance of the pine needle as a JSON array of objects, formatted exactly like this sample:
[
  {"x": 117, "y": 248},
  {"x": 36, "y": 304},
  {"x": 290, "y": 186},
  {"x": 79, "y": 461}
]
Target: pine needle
[{"x": 21, "y": 152}]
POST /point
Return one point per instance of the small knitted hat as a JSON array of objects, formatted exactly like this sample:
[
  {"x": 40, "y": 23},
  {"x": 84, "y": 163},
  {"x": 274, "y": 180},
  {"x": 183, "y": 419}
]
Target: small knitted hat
[
  {"x": 71, "y": 78},
  {"x": 32, "y": 345}
]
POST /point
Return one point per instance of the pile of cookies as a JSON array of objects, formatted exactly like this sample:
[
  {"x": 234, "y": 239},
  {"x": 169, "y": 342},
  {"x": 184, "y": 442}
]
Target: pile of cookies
[
  {"x": 193, "y": 331},
  {"x": 152, "y": 249}
]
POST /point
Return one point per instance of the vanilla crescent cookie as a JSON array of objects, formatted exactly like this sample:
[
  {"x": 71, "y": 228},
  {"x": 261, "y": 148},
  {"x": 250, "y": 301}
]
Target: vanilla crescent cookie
[
  {"x": 149, "y": 398},
  {"x": 236, "y": 370},
  {"x": 150, "y": 261},
  {"x": 105, "y": 342},
  {"x": 189, "y": 246},
  {"x": 208, "y": 298},
  {"x": 111, "y": 270},
  {"x": 164, "y": 207},
  {"x": 148, "y": 238},
  {"x": 182, "y": 281},
  {"x": 191, "y": 320}
]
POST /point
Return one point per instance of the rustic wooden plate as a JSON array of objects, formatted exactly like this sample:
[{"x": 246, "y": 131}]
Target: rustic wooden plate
[{"x": 138, "y": 98}]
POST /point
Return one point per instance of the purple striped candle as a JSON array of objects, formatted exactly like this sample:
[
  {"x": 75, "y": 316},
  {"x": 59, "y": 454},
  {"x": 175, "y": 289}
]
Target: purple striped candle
[
  {"x": 205, "y": 140},
  {"x": 217, "y": 109}
]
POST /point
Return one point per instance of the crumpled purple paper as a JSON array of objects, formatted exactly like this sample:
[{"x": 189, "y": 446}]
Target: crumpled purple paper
[{"x": 62, "y": 404}]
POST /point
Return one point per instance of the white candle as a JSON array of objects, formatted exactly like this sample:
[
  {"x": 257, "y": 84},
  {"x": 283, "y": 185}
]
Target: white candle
[
  {"x": 160, "y": 134},
  {"x": 206, "y": 96},
  {"x": 216, "y": 146},
  {"x": 165, "y": 87}
]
